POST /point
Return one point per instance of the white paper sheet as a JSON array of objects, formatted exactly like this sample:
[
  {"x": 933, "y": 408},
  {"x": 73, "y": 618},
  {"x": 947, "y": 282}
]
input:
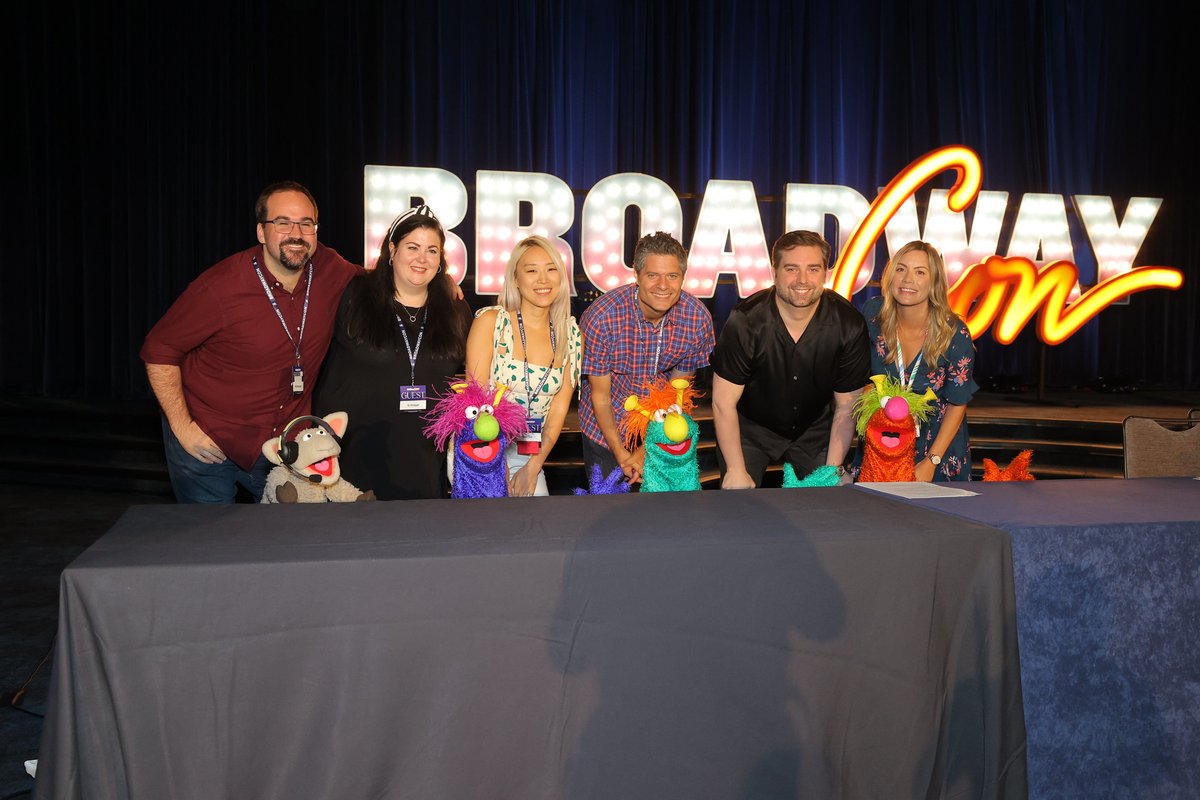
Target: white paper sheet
[{"x": 916, "y": 490}]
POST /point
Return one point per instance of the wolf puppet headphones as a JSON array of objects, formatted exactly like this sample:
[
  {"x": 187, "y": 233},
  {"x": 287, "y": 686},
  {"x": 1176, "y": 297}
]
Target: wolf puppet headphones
[{"x": 289, "y": 451}]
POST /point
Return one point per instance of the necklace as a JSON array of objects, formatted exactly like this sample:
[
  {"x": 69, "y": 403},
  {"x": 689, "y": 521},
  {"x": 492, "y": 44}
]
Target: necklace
[{"x": 412, "y": 315}]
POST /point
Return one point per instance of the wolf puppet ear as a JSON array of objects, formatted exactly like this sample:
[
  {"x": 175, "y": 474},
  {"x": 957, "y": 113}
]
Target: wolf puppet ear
[
  {"x": 338, "y": 420},
  {"x": 270, "y": 449}
]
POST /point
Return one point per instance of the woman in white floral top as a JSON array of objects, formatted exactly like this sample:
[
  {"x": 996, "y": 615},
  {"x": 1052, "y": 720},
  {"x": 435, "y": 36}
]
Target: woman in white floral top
[{"x": 531, "y": 344}]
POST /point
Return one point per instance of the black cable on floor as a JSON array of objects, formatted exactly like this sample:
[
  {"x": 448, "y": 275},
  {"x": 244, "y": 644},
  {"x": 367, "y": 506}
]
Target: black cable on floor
[{"x": 13, "y": 700}]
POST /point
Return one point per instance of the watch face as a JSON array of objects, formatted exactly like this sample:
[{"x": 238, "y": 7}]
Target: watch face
[{"x": 935, "y": 460}]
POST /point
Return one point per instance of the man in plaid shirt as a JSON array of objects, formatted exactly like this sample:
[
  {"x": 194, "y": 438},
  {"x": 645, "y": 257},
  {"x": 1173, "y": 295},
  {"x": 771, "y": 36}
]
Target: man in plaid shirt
[{"x": 632, "y": 335}]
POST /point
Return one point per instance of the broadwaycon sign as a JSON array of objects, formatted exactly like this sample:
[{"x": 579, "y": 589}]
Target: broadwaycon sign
[{"x": 1038, "y": 276}]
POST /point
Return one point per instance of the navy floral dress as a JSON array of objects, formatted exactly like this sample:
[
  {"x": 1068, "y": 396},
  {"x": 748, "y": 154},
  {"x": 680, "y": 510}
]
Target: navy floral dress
[{"x": 951, "y": 379}]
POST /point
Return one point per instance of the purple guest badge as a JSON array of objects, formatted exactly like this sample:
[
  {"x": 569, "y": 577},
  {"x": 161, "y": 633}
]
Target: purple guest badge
[{"x": 412, "y": 398}]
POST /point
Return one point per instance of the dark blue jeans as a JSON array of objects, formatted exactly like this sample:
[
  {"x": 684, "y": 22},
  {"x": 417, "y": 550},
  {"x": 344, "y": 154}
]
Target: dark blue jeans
[{"x": 196, "y": 482}]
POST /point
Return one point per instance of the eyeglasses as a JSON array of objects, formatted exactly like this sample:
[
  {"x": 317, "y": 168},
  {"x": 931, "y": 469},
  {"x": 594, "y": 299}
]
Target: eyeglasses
[{"x": 283, "y": 225}]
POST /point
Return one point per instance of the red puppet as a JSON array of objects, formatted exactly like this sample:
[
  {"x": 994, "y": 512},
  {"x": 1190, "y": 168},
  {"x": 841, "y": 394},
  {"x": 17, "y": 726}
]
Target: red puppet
[{"x": 888, "y": 419}]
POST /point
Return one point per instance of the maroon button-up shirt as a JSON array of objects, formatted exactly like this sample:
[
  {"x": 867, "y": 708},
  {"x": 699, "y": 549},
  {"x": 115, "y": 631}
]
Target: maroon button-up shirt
[{"x": 236, "y": 359}]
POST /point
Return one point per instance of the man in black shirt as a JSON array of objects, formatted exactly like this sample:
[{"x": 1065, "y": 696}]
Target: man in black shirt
[{"x": 789, "y": 364}]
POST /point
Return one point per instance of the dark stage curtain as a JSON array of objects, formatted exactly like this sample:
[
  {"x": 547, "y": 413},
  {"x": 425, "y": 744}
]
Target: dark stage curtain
[{"x": 140, "y": 136}]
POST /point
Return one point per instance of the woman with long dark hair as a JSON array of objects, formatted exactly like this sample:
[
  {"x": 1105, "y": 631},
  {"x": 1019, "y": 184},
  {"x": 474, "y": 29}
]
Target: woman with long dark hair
[
  {"x": 917, "y": 338},
  {"x": 399, "y": 337}
]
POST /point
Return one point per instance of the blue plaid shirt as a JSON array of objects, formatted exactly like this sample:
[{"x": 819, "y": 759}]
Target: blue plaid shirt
[{"x": 620, "y": 343}]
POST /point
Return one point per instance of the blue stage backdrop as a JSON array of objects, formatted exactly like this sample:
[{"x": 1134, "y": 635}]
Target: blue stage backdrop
[{"x": 139, "y": 137}]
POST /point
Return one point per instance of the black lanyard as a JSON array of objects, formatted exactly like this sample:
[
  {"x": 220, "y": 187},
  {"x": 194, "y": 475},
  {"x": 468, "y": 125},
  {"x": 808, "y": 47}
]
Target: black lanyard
[
  {"x": 271, "y": 296},
  {"x": 529, "y": 393},
  {"x": 412, "y": 351}
]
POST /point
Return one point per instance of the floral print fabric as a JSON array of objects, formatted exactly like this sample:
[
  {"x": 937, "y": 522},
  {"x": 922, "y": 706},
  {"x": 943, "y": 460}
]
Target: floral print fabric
[
  {"x": 545, "y": 382},
  {"x": 951, "y": 379}
]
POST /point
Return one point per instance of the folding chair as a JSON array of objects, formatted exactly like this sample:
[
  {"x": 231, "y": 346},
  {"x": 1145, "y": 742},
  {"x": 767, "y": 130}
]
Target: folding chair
[{"x": 1164, "y": 448}]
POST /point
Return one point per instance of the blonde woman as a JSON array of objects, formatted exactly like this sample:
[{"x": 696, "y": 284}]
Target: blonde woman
[
  {"x": 531, "y": 344},
  {"x": 918, "y": 339}
]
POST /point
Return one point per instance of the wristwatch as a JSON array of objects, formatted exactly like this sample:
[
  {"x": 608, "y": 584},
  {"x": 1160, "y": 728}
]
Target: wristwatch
[{"x": 935, "y": 459}]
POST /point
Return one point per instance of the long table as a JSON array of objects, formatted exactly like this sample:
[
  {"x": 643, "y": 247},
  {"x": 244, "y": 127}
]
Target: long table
[
  {"x": 771, "y": 643},
  {"x": 1108, "y": 612}
]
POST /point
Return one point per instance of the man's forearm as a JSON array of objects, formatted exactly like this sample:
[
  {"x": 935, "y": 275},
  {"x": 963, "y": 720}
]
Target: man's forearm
[
  {"x": 166, "y": 381},
  {"x": 608, "y": 424},
  {"x": 729, "y": 437},
  {"x": 841, "y": 434}
]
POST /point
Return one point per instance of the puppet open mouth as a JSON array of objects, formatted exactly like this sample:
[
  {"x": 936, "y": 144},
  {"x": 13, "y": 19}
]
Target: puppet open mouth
[
  {"x": 481, "y": 451},
  {"x": 677, "y": 449},
  {"x": 889, "y": 439},
  {"x": 322, "y": 467}
]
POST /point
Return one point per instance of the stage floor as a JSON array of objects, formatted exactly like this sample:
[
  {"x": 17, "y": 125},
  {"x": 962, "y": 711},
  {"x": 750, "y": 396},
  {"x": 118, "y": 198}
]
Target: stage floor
[{"x": 1086, "y": 406}]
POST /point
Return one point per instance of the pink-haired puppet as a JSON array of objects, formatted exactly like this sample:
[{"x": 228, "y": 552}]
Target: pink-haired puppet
[{"x": 481, "y": 422}]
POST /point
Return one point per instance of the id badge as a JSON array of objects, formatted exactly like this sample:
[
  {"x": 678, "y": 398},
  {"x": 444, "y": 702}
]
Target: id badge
[
  {"x": 412, "y": 398},
  {"x": 297, "y": 380},
  {"x": 528, "y": 444}
]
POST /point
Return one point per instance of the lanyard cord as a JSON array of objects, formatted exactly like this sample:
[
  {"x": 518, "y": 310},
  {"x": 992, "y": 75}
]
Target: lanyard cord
[
  {"x": 275, "y": 305},
  {"x": 662, "y": 323},
  {"x": 900, "y": 364},
  {"x": 413, "y": 351},
  {"x": 529, "y": 393}
]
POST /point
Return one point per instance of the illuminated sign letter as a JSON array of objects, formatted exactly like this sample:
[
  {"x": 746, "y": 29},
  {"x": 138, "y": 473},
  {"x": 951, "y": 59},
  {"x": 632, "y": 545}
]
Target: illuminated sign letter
[
  {"x": 809, "y": 204},
  {"x": 603, "y": 237},
  {"x": 498, "y": 227},
  {"x": 903, "y": 186},
  {"x": 1115, "y": 245},
  {"x": 947, "y": 230},
  {"x": 1012, "y": 290},
  {"x": 729, "y": 238},
  {"x": 392, "y": 190},
  {"x": 1041, "y": 226}
]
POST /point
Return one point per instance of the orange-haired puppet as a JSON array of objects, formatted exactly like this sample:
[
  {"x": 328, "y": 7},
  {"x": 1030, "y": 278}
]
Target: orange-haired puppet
[
  {"x": 1017, "y": 470},
  {"x": 887, "y": 420},
  {"x": 664, "y": 422}
]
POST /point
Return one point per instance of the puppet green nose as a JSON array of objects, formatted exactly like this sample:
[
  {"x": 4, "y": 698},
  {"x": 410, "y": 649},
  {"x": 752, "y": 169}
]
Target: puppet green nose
[
  {"x": 486, "y": 428},
  {"x": 675, "y": 427}
]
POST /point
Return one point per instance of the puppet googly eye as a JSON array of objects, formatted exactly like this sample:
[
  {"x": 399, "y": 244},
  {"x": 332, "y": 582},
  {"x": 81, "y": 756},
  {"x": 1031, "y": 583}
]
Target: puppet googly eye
[
  {"x": 486, "y": 409},
  {"x": 304, "y": 437},
  {"x": 674, "y": 409},
  {"x": 319, "y": 432},
  {"x": 472, "y": 412},
  {"x": 660, "y": 415}
]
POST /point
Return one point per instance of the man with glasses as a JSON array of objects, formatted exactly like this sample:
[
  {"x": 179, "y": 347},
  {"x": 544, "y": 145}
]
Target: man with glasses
[{"x": 236, "y": 356}]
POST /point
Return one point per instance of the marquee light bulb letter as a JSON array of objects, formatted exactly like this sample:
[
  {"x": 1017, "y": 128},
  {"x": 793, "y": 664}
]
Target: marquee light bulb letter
[
  {"x": 393, "y": 190},
  {"x": 602, "y": 240},
  {"x": 728, "y": 238},
  {"x": 498, "y": 227}
]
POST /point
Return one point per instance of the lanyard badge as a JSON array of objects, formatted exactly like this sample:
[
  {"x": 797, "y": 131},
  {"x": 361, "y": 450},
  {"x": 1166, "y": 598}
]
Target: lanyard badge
[
  {"x": 297, "y": 369},
  {"x": 413, "y": 396},
  {"x": 530, "y": 443}
]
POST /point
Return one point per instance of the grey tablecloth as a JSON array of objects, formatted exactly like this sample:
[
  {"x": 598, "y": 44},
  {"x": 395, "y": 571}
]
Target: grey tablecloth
[{"x": 769, "y": 643}]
